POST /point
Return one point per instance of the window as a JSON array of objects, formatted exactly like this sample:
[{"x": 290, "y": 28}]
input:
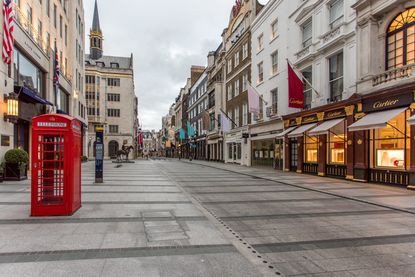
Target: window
[
  {"x": 236, "y": 87},
  {"x": 260, "y": 72},
  {"x": 337, "y": 144},
  {"x": 113, "y": 97},
  {"x": 244, "y": 82},
  {"x": 336, "y": 77},
  {"x": 244, "y": 114},
  {"x": 230, "y": 116},
  {"x": 48, "y": 8},
  {"x": 390, "y": 145},
  {"x": 307, "y": 30},
  {"x": 114, "y": 82},
  {"x": 311, "y": 149},
  {"x": 274, "y": 99},
  {"x": 230, "y": 92},
  {"x": 237, "y": 117},
  {"x": 245, "y": 51},
  {"x": 29, "y": 14},
  {"x": 274, "y": 62},
  {"x": 113, "y": 129},
  {"x": 113, "y": 112},
  {"x": 115, "y": 65},
  {"x": 274, "y": 29},
  {"x": 229, "y": 66},
  {"x": 336, "y": 13},
  {"x": 66, "y": 34},
  {"x": 39, "y": 30},
  {"x": 60, "y": 26},
  {"x": 212, "y": 122},
  {"x": 64, "y": 102},
  {"x": 90, "y": 79},
  {"x": 236, "y": 59},
  {"x": 308, "y": 90},
  {"x": 401, "y": 40},
  {"x": 26, "y": 73},
  {"x": 260, "y": 42}
]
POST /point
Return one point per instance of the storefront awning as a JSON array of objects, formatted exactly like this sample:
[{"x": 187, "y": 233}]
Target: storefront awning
[
  {"x": 375, "y": 120},
  {"x": 285, "y": 132},
  {"x": 411, "y": 120},
  {"x": 324, "y": 127},
  {"x": 301, "y": 130},
  {"x": 28, "y": 95}
]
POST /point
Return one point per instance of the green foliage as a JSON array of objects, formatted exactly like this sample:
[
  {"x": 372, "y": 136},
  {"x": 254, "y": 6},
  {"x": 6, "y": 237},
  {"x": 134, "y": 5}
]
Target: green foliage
[
  {"x": 16, "y": 156},
  {"x": 84, "y": 159}
]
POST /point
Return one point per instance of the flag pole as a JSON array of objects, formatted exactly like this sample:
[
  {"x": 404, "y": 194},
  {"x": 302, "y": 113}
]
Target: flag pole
[
  {"x": 233, "y": 122},
  {"x": 260, "y": 96},
  {"x": 304, "y": 78}
]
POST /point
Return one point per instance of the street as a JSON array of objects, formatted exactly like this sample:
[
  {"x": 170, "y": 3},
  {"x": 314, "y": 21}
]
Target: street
[{"x": 180, "y": 218}]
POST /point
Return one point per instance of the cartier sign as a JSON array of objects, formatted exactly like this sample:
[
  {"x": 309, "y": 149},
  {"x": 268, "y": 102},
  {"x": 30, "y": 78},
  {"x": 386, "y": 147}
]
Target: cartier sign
[{"x": 387, "y": 103}]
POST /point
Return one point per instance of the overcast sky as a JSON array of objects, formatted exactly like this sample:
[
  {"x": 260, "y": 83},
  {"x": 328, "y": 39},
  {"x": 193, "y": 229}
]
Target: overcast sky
[{"x": 166, "y": 38}]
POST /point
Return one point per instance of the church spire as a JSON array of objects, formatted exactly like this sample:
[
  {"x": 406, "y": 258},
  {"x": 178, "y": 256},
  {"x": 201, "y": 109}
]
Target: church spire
[{"x": 95, "y": 36}]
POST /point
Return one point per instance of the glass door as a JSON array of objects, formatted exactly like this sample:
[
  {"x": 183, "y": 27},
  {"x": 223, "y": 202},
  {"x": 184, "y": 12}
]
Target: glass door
[{"x": 293, "y": 155}]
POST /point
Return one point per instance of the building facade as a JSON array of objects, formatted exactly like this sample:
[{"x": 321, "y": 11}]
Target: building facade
[
  {"x": 41, "y": 27},
  {"x": 110, "y": 96},
  {"x": 216, "y": 103},
  {"x": 196, "y": 111},
  {"x": 237, "y": 43}
]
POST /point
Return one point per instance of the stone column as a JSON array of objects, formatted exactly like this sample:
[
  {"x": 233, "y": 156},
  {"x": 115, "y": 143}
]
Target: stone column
[{"x": 300, "y": 162}]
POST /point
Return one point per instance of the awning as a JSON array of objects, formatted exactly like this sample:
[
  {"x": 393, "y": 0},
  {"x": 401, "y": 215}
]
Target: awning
[
  {"x": 377, "y": 120},
  {"x": 324, "y": 127},
  {"x": 411, "y": 120},
  {"x": 28, "y": 95},
  {"x": 285, "y": 132},
  {"x": 301, "y": 130}
]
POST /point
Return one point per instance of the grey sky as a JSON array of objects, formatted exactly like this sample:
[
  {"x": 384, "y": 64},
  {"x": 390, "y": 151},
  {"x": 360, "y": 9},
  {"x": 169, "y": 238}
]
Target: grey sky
[{"x": 166, "y": 38}]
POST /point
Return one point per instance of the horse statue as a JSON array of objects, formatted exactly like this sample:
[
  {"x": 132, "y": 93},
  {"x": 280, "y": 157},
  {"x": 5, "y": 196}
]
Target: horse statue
[{"x": 125, "y": 151}]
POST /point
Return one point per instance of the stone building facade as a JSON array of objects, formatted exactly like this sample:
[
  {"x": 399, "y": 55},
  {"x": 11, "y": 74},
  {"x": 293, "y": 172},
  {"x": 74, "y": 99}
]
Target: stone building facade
[
  {"x": 39, "y": 26},
  {"x": 111, "y": 100}
]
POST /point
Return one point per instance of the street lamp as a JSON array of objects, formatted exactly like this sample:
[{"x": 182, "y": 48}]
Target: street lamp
[{"x": 12, "y": 112}]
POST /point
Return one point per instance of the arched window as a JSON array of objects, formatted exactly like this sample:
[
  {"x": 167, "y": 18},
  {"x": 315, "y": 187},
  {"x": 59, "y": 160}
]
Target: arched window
[{"x": 401, "y": 40}]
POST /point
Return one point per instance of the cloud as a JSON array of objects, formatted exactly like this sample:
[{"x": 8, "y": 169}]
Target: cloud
[{"x": 166, "y": 38}]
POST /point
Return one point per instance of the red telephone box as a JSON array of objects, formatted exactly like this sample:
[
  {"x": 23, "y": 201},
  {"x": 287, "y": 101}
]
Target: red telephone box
[{"x": 56, "y": 165}]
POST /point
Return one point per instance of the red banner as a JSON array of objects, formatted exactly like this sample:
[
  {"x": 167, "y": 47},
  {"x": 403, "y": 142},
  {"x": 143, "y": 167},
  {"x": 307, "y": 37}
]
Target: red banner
[{"x": 295, "y": 90}]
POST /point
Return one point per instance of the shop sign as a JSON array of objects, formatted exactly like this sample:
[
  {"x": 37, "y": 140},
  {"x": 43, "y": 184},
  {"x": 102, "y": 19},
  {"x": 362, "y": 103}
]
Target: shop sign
[
  {"x": 310, "y": 119},
  {"x": 291, "y": 123},
  {"x": 5, "y": 140},
  {"x": 388, "y": 103},
  {"x": 52, "y": 124},
  {"x": 335, "y": 114}
]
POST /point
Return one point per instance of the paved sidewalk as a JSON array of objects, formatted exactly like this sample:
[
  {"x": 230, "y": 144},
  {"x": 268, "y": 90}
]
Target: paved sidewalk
[
  {"x": 138, "y": 223},
  {"x": 390, "y": 196}
]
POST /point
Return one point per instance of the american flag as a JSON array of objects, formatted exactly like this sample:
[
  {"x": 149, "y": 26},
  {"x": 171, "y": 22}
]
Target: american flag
[
  {"x": 8, "y": 26},
  {"x": 57, "y": 70}
]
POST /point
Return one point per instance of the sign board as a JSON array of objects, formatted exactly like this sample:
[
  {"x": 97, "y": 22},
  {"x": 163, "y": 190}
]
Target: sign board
[{"x": 99, "y": 156}]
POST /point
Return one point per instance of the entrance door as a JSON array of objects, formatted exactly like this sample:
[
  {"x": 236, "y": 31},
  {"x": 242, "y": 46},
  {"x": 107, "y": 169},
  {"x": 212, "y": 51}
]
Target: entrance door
[
  {"x": 113, "y": 148},
  {"x": 293, "y": 155}
]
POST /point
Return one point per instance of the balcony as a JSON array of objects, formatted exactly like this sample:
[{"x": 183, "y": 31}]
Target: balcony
[
  {"x": 272, "y": 111},
  {"x": 395, "y": 74}
]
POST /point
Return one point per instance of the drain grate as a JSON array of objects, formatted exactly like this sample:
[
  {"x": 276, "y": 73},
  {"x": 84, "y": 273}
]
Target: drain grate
[{"x": 167, "y": 230}]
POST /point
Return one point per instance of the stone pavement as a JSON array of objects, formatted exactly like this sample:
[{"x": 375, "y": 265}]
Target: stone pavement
[
  {"x": 307, "y": 226},
  {"x": 172, "y": 218},
  {"x": 138, "y": 223}
]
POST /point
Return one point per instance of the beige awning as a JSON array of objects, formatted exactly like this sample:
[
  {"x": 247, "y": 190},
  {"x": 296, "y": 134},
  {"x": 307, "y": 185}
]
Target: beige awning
[
  {"x": 301, "y": 130},
  {"x": 285, "y": 132},
  {"x": 324, "y": 127},
  {"x": 377, "y": 120}
]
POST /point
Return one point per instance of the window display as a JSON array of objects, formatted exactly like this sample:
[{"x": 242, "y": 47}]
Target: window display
[
  {"x": 391, "y": 144},
  {"x": 337, "y": 144},
  {"x": 263, "y": 152},
  {"x": 311, "y": 149}
]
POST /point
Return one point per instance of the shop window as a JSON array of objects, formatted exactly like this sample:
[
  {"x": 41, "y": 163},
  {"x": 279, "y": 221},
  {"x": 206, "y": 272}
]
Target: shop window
[
  {"x": 230, "y": 151},
  {"x": 390, "y": 145},
  {"x": 401, "y": 40},
  {"x": 337, "y": 144},
  {"x": 311, "y": 149}
]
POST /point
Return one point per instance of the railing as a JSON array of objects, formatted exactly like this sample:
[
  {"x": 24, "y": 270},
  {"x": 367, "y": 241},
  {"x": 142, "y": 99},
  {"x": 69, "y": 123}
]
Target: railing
[
  {"x": 337, "y": 171},
  {"x": 331, "y": 35},
  {"x": 388, "y": 177},
  {"x": 403, "y": 72},
  {"x": 309, "y": 168},
  {"x": 271, "y": 111},
  {"x": 304, "y": 52}
]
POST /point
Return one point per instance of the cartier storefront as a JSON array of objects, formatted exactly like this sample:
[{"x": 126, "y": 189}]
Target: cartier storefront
[{"x": 366, "y": 138}]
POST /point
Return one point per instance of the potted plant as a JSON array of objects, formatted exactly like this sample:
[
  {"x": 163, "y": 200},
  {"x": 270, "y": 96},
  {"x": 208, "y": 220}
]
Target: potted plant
[{"x": 16, "y": 161}]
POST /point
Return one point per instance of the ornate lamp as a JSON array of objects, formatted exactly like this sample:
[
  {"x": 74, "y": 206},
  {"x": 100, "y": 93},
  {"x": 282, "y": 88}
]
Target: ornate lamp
[{"x": 12, "y": 112}]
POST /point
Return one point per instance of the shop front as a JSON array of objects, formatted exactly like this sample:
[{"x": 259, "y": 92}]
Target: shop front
[{"x": 263, "y": 152}]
